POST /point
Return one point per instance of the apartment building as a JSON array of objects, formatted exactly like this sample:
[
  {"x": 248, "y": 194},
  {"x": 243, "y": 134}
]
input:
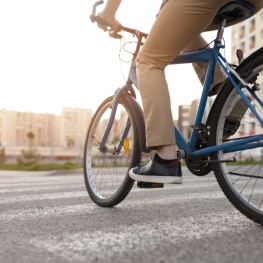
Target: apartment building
[
  {"x": 67, "y": 129},
  {"x": 15, "y": 126},
  {"x": 248, "y": 36},
  {"x": 74, "y": 125},
  {"x": 187, "y": 114},
  {"x": 184, "y": 120}
]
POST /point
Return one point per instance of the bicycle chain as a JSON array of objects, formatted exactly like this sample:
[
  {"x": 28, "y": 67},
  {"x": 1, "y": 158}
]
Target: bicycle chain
[
  {"x": 244, "y": 175},
  {"x": 240, "y": 138}
]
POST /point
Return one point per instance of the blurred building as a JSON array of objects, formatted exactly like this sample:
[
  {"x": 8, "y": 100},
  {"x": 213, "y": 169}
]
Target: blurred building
[
  {"x": 47, "y": 129},
  {"x": 15, "y": 126},
  {"x": 184, "y": 120},
  {"x": 247, "y": 36},
  {"x": 187, "y": 114},
  {"x": 74, "y": 125}
]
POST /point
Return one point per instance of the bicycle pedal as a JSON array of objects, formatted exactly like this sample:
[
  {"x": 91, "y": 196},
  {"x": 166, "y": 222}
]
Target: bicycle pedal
[
  {"x": 149, "y": 185},
  {"x": 230, "y": 127}
]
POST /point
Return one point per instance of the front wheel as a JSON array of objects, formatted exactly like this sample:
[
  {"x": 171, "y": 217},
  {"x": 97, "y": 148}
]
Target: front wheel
[
  {"x": 241, "y": 181},
  {"x": 106, "y": 171}
]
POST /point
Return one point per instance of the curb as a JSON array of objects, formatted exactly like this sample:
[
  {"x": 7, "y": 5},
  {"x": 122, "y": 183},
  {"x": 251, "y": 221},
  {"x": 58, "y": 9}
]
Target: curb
[{"x": 10, "y": 173}]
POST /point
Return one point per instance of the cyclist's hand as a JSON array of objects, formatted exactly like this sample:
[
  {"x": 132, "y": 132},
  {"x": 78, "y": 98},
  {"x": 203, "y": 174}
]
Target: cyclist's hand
[{"x": 112, "y": 21}]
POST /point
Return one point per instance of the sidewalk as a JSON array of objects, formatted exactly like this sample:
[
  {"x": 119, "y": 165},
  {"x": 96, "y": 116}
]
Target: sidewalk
[{"x": 40, "y": 173}]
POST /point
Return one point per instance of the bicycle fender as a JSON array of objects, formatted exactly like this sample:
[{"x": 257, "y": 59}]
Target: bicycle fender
[
  {"x": 140, "y": 124},
  {"x": 227, "y": 81}
]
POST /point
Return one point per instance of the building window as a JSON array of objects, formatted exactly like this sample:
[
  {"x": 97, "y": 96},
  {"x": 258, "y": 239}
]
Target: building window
[
  {"x": 242, "y": 47},
  {"x": 252, "y": 130},
  {"x": 242, "y": 32},
  {"x": 235, "y": 35},
  {"x": 252, "y": 42},
  {"x": 252, "y": 25}
]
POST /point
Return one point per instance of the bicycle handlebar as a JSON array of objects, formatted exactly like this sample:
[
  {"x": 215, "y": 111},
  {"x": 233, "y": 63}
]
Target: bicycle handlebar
[
  {"x": 94, "y": 18},
  {"x": 114, "y": 34},
  {"x": 95, "y": 7}
]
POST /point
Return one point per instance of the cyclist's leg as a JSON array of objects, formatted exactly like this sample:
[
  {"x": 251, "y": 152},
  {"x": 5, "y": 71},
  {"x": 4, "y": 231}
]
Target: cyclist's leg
[
  {"x": 177, "y": 25},
  {"x": 201, "y": 68}
]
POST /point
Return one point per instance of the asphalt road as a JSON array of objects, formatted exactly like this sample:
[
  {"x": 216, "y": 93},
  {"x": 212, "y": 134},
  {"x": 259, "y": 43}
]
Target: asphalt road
[{"x": 50, "y": 218}]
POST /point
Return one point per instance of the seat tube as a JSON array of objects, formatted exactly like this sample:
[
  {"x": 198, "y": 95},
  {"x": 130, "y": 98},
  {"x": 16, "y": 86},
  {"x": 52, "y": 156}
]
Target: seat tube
[{"x": 202, "y": 103}]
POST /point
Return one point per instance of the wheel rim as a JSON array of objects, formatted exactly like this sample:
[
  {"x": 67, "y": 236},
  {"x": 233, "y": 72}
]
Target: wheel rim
[
  {"x": 107, "y": 171},
  {"x": 245, "y": 178}
]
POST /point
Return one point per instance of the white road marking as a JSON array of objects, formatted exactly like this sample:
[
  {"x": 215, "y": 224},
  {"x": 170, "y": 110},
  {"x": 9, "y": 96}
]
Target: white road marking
[
  {"x": 49, "y": 196},
  {"x": 25, "y": 214}
]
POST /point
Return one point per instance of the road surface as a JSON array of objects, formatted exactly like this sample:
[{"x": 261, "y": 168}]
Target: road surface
[{"x": 50, "y": 218}]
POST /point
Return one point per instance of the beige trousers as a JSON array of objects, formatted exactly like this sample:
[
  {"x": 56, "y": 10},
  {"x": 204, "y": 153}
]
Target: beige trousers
[{"x": 177, "y": 28}]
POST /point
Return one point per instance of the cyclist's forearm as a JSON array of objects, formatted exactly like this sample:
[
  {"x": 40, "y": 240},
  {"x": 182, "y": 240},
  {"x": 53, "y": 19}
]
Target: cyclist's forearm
[{"x": 111, "y": 8}]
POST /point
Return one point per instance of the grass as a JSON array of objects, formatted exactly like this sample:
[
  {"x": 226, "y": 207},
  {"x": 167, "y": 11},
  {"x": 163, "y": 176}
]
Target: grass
[{"x": 39, "y": 166}]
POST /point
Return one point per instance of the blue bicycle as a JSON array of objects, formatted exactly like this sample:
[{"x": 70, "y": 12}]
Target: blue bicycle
[{"x": 230, "y": 146}]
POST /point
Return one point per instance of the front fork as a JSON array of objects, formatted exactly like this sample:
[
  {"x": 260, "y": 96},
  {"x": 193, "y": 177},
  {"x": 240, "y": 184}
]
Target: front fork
[{"x": 114, "y": 106}]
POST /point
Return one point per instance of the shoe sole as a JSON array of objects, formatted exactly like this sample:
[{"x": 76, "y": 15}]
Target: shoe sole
[{"x": 156, "y": 178}]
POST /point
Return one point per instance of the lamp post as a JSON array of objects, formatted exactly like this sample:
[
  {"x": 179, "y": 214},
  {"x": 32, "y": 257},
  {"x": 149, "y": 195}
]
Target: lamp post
[{"x": 52, "y": 138}]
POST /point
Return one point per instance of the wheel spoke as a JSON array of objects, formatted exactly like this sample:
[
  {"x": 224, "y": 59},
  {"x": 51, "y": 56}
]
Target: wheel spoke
[
  {"x": 241, "y": 181},
  {"x": 106, "y": 172}
]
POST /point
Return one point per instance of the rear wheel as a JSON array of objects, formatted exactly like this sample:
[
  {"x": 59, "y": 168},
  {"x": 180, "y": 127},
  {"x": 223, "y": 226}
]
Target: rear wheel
[
  {"x": 241, "y": 181},
  {"x": 106, "y": 172}
]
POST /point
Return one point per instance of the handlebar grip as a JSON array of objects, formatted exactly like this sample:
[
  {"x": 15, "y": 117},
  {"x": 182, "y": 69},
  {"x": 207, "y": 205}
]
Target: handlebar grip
[{"x": 99, "y": 20}]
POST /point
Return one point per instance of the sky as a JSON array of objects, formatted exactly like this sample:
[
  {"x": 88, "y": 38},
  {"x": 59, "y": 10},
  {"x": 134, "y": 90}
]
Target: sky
[{"x": 52, "y": 56}]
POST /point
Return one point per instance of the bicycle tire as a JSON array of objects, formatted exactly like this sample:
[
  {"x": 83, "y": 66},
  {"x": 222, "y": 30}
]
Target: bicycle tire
[
  {"x": 109, "y": 169},
  {"x": 242, "y": 183}
]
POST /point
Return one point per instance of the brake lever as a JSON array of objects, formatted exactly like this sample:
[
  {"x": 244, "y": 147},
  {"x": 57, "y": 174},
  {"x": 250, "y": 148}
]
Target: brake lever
[{"x": 115, "y": 34}]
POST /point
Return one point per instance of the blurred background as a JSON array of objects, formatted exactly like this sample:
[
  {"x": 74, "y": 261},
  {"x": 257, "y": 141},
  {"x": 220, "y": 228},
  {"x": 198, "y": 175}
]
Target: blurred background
[{"x": 56, "y": 67}]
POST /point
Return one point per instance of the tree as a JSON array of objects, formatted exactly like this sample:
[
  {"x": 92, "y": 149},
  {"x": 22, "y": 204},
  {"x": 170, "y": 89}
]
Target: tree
[
  {"x": 2, "y": 155},
  {"x": 30, "y": 135},
  {"x": 70, "y": 142},
  {"x": 31, "y": 155}
]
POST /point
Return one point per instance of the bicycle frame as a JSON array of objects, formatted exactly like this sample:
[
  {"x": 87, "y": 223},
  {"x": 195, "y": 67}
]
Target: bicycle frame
[{"x": 211, "y": 56}]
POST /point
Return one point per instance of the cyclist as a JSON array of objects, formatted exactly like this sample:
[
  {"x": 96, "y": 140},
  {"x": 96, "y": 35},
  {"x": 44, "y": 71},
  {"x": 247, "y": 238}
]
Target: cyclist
[{"x": 177, "y": 28}]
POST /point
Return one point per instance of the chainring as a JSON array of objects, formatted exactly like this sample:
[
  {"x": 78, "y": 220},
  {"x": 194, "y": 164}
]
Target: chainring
[
  {"x": 199, "y": 169},
  {"x": 193, "y": 164}
]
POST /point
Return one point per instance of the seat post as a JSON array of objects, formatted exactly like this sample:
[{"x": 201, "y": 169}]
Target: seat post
[{"x": 220, "y": 32}]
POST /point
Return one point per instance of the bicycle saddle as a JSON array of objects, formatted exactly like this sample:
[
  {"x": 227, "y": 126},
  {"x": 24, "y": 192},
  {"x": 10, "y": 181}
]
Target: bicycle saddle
[{"x": 235, "y": 11}]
